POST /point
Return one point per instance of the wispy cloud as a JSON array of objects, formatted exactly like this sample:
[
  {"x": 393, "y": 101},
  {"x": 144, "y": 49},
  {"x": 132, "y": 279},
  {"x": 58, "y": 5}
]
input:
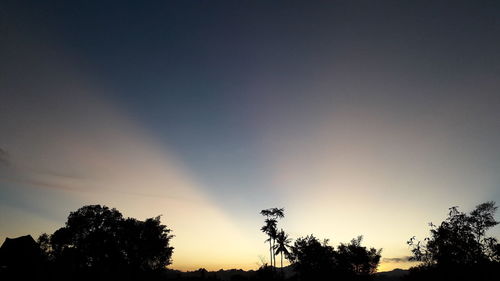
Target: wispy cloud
[{"x": 397, "y": 259}]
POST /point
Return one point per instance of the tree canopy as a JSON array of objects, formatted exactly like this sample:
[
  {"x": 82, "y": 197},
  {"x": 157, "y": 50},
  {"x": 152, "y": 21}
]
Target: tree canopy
[
  {"x": 99, "y": 239},
  {"x": 315, "y": 260},
  {"x": 460, "y": 239},
  {"x": 356, "y": 259},
  {"x": 459, "y": 247}
]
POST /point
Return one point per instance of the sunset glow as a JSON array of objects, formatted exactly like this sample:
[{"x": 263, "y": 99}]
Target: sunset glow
[{"x": 352, "y": 124}]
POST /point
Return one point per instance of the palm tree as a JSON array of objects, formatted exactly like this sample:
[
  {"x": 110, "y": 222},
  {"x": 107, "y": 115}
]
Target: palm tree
[
  {"x": 272, "y": 215},
  {"x": 282, "y": 246},
  {"x": 278, "y": 213},
  {"x": 270, "y": 229}
]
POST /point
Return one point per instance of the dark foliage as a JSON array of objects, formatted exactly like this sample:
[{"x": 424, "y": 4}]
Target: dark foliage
[
  {"x": 458, "y": 249},
  {"x": 315, "y": 260},
  {"x": 354, "y": 259},
  {"x": 97, "y": 242},
  {"x": 282, "y": 246},
  {"x": 312, "y": 259}
]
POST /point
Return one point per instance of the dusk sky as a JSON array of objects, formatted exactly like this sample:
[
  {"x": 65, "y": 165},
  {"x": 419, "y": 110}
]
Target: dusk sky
[{"x": 358, "y": 117}]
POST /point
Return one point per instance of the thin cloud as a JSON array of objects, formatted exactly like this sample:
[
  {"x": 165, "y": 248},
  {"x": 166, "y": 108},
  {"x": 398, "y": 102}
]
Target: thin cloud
[
  {"x": 38, "y": 183},
  {"x": 397, "y": 259},
  {"x": 59, "y": 181}
]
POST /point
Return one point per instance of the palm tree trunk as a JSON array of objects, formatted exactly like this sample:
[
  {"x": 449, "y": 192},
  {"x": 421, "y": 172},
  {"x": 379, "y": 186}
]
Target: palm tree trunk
[
  {"x": 274, "y": 245},
  {"x": 270, "y": 250},
  {"x": 274, "y": 257},
  {"x": 281, "y": 262}
]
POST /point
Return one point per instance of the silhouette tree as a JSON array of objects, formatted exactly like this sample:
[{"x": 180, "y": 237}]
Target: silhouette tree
[
  {"x": 146, "y": 243},
  {"x": 45, "y": 246},
  {"x": 270, "y": 228},
  {"x": 459, "y": 240},
  {"x": 458, "y": 247},
  {"x": 481, "y": 219},
  {"x": 279, "y": 213},
  {"x": 315, "y": 260},
  {"x": 98, "y": 240},
  {"x": 282, "y": 245},
  {"x": 312, "y": 259},
  {"x": 355, "y": 260}
]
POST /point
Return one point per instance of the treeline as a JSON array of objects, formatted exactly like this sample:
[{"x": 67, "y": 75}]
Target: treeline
[
  {"x": 456, "y": 249},
  {"x": 312, "y": 259},
  {"x": 98, "y": 243}
]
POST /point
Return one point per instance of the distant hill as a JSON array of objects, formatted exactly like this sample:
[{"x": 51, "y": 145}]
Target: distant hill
[
  {"x": 392, "y": 275},
  {"x": 224, "y": 275},
  {"x": 232, "y": 274},
  {"x": 202, "y": 273}
]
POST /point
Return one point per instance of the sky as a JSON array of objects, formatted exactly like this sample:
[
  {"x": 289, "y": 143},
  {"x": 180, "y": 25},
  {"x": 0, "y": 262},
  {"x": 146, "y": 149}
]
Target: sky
[{"x": 358, "y": 117}]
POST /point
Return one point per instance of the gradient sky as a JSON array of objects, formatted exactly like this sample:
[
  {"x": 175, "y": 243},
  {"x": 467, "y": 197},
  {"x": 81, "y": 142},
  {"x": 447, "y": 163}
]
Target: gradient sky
[{"x": 357, "y": 117}]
